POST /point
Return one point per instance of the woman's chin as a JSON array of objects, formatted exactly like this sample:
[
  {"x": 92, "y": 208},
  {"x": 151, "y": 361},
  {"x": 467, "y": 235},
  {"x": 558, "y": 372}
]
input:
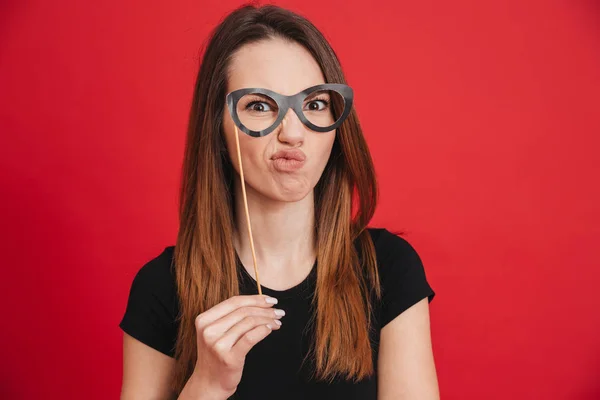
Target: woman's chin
[{"x": 292, "y": 193}]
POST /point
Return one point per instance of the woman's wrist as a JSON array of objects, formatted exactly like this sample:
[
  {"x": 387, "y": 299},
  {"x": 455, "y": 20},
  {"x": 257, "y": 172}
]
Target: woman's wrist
[{"x": 195, "y": 389}]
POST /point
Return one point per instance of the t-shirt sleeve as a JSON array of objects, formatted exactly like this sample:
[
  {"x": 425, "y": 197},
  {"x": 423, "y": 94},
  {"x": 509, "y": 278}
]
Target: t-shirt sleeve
[
  {"x": 151, "y": 306},
  {"x": 402, "y": 277}
]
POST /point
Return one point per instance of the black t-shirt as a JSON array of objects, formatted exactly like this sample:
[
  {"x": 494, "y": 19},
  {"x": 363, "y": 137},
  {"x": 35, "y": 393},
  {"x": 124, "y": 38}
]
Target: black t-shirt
[{"x": 273, "y": 368}]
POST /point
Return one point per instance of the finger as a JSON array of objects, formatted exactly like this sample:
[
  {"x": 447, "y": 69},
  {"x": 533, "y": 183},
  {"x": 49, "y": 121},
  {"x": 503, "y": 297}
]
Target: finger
[
  {"x": 218, "y": 328},
  {"x": 233, "y": 303},
  {"x": 249, "y": 339},
  {"x": 237, "y": 332}
]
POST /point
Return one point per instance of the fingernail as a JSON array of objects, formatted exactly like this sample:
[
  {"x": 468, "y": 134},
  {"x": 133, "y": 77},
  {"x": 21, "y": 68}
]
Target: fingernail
[
  {"x": 271, "y": 300},
  {"x": 270, "y": 327},
  {"x": 280, "y": 312},
  {"x": 278, "y": 322}
]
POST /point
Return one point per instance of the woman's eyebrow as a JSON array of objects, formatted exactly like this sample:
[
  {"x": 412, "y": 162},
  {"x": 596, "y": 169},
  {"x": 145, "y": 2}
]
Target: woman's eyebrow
[{"x": 317, "y": 93}]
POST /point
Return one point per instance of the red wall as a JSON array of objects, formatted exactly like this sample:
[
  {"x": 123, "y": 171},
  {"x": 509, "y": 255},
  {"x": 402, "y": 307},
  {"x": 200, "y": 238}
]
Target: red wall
[{"x": 483, "y": 120}]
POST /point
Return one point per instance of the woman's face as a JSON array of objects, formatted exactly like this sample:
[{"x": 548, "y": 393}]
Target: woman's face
[{"x": 286, "y": 68}]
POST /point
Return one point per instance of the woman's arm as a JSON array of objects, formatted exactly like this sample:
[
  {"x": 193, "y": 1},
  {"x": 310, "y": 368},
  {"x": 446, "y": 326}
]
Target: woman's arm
[
  {"x": 406, "y": 368},
  {"x": 146, "y": 372}
]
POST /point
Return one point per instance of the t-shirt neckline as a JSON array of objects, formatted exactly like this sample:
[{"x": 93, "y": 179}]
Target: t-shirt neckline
[{"x": 293, "y": 291}]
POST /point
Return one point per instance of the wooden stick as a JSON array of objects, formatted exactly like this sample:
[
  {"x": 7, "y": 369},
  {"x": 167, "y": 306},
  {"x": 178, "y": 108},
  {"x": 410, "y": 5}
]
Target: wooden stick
[{"x": 237, "y": 143}]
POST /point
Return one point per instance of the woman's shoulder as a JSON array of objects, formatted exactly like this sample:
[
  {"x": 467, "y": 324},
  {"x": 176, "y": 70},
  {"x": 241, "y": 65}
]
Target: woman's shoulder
[
  {"x": 156, "y": 277},
  {"x": 390, "y": 246},
  {"x": 152, "y": 306},
  {"x": 401, "y": 273},
  {"x": 158, "y": 269}
]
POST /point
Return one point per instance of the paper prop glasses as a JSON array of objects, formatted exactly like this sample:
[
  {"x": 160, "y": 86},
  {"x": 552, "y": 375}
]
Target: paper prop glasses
[{"x": 321, "y": 108}]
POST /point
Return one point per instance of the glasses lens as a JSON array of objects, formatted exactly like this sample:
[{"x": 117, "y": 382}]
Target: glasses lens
[
  {"x": 323, "y": 108},
  {"x": 257, "y": 111}
]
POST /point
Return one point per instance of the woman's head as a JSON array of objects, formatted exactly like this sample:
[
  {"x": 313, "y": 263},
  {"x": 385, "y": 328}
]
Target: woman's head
[{"x": 273, "y": 48}]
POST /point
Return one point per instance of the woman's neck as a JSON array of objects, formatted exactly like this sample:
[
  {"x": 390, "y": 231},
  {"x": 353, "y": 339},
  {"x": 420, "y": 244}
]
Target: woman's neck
[{"x": 283, "y": 236}]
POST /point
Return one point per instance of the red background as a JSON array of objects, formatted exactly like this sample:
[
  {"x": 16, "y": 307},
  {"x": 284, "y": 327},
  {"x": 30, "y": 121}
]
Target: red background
[{"x": 483, "y": 120}]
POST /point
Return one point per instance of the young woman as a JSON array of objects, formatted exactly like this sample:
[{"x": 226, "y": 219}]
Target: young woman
[{"x": 355, "y": 298}]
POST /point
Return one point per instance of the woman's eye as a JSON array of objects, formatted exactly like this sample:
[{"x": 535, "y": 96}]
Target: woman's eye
[
  {"x": 259, "y": 106},
  {"x": 317, "y": 105}
]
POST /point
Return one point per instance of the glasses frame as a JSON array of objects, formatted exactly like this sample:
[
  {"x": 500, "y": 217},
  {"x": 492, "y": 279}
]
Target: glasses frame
[{"x": 284, "y": 103}]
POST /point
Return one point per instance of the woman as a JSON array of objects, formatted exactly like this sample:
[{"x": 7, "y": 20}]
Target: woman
[{"x": 355, "y": 299}]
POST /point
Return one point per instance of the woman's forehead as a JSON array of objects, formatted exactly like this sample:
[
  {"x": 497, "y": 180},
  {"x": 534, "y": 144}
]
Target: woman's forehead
[{"x": 283, "y": 67}]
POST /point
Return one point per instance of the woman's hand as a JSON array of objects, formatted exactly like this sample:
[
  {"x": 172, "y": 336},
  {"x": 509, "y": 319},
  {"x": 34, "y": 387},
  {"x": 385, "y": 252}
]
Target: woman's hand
[{"x": 225, "y": 334}]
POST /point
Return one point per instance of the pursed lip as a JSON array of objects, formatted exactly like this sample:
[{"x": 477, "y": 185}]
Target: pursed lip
[{"x": 290, "y": 155}]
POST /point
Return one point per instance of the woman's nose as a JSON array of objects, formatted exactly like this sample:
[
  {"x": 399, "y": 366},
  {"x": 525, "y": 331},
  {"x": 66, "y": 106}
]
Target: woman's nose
[{"x": 292, "y": 129}]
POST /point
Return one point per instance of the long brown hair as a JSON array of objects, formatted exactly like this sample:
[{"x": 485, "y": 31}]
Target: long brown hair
[{"x": 204, "y": 260}]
